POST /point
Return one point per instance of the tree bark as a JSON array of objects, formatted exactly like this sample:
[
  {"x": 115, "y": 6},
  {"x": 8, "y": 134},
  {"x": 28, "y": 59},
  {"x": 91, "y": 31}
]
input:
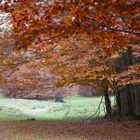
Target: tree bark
[
  {"x": 137, "y": 100},
  {"x": 118, "y": 101},
  {"x": 128, "y": 97},
  {"x": 107, "y": 102}
]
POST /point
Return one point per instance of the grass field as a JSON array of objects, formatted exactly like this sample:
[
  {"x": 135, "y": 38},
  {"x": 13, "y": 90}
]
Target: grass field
[{"x": 74, "y": 108}]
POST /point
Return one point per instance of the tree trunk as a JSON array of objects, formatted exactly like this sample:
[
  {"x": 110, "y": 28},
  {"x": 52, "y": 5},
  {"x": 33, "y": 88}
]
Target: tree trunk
[
  {"x": 126, "y": 101},
  {"x": 118, "y": 101},
  {"x": 128, "y": 97},
  {"x": 107, "y": 102},
  {"x": 137, "y": 100}
]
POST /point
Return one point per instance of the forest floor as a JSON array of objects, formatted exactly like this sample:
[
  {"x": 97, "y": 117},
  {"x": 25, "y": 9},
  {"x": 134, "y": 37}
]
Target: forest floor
[{"x": 98, "y": 129}]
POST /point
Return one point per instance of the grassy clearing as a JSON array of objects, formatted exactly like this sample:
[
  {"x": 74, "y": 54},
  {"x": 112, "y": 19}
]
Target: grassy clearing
[{"x": 74, "y": 108}]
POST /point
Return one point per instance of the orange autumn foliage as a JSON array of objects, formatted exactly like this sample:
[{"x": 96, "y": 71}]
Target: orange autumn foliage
[{"x": 77, "y": 40}]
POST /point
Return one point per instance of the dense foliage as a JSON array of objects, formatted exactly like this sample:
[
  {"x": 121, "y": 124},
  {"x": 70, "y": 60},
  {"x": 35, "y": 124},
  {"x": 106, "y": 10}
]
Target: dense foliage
[{"x": 77, "y": 40}]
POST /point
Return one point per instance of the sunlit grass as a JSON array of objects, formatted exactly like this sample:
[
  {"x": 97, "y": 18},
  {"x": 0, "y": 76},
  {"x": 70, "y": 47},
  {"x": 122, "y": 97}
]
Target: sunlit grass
[{"x": 73, "y": 108}]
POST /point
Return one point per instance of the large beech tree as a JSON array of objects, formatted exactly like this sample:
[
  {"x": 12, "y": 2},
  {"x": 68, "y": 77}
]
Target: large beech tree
[{"x": 77, "y": 40}]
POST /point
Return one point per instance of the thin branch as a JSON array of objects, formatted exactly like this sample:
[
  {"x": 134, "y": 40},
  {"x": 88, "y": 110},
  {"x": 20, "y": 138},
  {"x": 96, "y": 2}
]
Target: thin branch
[
  {"x": 96, "y": 110},
  {"x": 116, "y": 30}
]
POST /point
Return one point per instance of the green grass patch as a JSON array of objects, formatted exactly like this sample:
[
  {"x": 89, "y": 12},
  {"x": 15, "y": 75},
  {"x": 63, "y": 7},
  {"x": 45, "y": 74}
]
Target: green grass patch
[{"x": 74, "y": 108}]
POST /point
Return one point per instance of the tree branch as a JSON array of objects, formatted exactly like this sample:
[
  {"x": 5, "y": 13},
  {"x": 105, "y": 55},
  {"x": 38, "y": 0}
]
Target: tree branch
[{"x": 116, "y": 30}]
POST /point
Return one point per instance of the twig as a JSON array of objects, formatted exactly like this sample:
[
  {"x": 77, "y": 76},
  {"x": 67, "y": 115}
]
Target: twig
[
  {"x": 98, "y": 109},
  {"x": 66, "y": 115}
]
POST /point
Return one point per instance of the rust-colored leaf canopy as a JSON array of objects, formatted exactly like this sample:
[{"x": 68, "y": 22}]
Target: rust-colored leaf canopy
[
  {"x": 107, "y": 21},
  {"x": 77, "y": 40}
]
